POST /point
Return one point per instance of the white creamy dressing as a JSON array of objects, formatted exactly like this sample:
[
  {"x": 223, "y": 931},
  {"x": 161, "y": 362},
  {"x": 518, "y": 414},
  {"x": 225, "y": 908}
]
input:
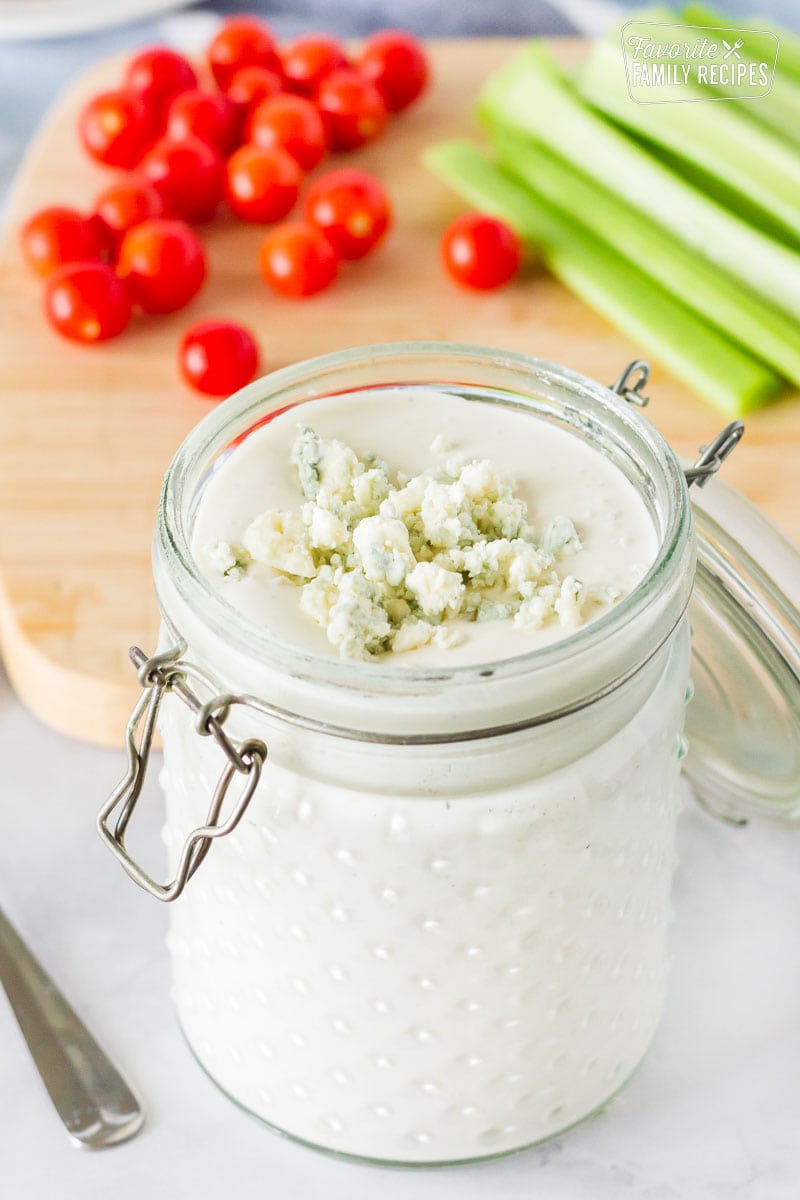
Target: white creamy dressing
[
  {"x": 553, "y": 471},
  {"x": 436, "y": 953}
]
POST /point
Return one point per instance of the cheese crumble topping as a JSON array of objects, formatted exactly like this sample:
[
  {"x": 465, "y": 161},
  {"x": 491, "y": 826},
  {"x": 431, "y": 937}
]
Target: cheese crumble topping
[{"x": 388, "y": 563}]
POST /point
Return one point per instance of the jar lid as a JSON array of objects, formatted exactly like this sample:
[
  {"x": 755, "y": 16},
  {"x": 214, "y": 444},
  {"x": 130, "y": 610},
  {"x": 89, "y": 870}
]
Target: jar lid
[{"x": 743, "y": 723}]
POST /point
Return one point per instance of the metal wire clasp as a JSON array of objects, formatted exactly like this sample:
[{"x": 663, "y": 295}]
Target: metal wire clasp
[
  {"x": 714, "y": 454},
  {"x": 629, "y": 385},
  {"x": 158, "y": 675},
  {"x": 631, "y": 381}
]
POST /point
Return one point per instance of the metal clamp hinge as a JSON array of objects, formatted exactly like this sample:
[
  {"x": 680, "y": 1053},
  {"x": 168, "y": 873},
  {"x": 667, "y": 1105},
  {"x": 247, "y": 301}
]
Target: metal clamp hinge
[
  {"x": 629, "y": 386},
  {"x": 631, "y": 381},
  {"x": 714, "y": 454},
  {"x": 158, "y": 675}
]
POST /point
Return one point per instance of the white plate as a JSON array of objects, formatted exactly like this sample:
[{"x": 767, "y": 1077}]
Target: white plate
[{"x": 32, "y": 19}]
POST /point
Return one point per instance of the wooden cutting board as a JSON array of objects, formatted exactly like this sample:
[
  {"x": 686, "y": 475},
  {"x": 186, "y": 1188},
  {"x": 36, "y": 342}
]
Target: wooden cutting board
[{"x": 85, "y": 434}]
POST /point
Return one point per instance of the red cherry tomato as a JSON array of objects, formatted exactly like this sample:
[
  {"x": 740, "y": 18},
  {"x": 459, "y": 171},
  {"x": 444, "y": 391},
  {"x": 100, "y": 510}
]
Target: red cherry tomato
[
  {"x": 308, "y": 59},
  {"x": 396, "y": 63},
  {"x": 293, "y": 124},
  {"x": 163, "y": 264},
  {"x": 480, "y": 252},
  {"x": 249, "y": 86},
  {"x": 115, "y": 127},
  {"x": 262, "y": 185},
  {"x": 188, "y": 175},
  {"x": 124, "y": 205},
  {"x": 241, "y": 42},
  {"x": 87, "y": 302},
  {"x": 218, "y": 357},
  {"x": 211, "y": 116},
  {"x": 352, "y": 108},
  {"x": 157, "y": 75},
  {"x": 57, "y": 235},
  {"x": 352, "y": 210},
  {"x": 296, "y": 259}
]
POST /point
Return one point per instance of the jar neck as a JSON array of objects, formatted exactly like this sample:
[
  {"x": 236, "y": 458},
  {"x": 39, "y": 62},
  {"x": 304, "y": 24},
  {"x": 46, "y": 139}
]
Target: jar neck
[{"x": 399, "y": 703}]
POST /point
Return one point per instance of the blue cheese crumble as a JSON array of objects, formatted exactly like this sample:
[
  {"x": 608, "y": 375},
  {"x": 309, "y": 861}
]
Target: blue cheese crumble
[{"x": 387, "y": 563}]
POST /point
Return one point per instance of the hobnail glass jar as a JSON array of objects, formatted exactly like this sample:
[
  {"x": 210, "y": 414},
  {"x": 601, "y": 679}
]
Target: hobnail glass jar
[{"x": 438, "y": 930}]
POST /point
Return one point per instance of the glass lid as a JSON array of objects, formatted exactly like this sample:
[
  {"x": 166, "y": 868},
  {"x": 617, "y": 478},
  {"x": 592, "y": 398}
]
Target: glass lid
[{"x": 743, "y": 724}]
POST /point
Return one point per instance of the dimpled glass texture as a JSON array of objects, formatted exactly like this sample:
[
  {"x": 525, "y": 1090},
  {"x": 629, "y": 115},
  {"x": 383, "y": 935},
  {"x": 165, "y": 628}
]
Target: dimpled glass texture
[
  {"x": 432, "y": 980},
  {"x": 432, "y": 953}
]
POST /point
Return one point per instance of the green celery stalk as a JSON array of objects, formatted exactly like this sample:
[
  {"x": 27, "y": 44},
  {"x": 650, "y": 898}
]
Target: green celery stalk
[
  {"x": 716, "y": 139},
  {"x": 529, "y": 96},
  {"x": 789, "y": 43},
  {"x": 788, "y": 64},
  {"x": 715, "y": 295},
  {"x": 780, "y": 109},
  {"x": 697, "y": 353}
]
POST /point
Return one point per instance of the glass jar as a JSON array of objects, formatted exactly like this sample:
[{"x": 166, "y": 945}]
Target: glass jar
[{"x": 435, "y": 926}]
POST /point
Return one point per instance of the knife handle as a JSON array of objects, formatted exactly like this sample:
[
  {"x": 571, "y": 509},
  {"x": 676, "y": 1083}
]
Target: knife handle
[{"x": 95, "y": 1103}]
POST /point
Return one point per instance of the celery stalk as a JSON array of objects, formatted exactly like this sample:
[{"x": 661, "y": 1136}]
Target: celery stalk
[
  {"x": 697, "y": 353},
  {"x": 529, "y": 96},
  {"x": 716, "y": 139},
  {"x": 788, "y": 64},
  {"x": 789, "y": 43},
  {"x": 698, "y": 284},
  {"x": 780, "y": 109}
]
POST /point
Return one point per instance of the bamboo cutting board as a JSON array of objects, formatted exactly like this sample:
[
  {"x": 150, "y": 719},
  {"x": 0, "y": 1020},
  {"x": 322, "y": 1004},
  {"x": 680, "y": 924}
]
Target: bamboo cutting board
[{"x": 86, "y": 433}]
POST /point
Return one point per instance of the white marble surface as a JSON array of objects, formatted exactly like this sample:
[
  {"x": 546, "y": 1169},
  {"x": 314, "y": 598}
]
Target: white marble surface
[{"x": 713, "y": 1115}]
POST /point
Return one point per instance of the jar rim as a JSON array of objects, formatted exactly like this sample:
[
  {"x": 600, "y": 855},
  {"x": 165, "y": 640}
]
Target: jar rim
[{"x": 600, "y": 410}]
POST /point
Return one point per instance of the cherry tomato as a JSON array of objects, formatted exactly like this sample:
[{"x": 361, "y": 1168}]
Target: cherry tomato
[
  {"x": 308, "y": 59},
  {"x": 157, "y": 75},
  {"x": 249, "y": 86},
  {"x": 115, "y": 127},
  {"x": 87, "y": 302},
  {"x": 296, "y": 259},
  {"x": 293, "y": 124},
  {"x": 241, "y": 42},
  {"x": 396, "y": 63},
  {"x": 352, "y": 107},
  {"x": 352, "y": 210},
  {"x": 189, "y": 176},
  {"x": 57, "y": 235},
  {"x": 163, "y": 264},
  {"x": 124, "y": 205},
  {"x": 262, "y": 185},
  {"x": 218, "y": 357},
  {"x": 480, "y": 251},
  {"x": 211, "y": 116}
]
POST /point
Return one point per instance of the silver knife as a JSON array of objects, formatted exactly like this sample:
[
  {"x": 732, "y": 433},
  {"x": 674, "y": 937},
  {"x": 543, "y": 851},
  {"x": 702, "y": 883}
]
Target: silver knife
[{"x": 93, "y": 1100}]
